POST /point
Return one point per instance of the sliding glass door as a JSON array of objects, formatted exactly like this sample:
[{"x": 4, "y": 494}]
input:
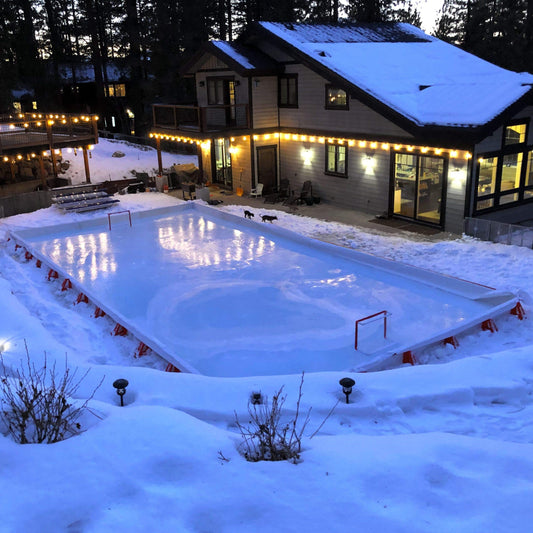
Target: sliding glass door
[{"x": 419, "y": 187}]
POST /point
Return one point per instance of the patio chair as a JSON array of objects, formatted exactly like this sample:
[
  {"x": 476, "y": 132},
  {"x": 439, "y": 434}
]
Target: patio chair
[
  {"x": 284, "y": 189},
  {"x": 257, "y": 191},
  {"x": 306, "y": 195}
]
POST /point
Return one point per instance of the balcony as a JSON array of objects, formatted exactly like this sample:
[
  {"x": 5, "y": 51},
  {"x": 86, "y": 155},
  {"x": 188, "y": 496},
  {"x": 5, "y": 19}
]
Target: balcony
[{"x": 209, "y": 119}]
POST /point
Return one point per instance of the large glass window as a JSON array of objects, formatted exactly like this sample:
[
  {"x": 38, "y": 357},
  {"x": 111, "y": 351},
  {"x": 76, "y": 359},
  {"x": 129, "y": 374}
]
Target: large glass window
[
  {"x": 504, "y": 179},
  {"x": 511, "y": 170},
  {"x": 488, "y": 167},
  {"x": 336, "y": 160},
  {"x": 288, "y": 90},
  {"x": 336, "y": 98}
]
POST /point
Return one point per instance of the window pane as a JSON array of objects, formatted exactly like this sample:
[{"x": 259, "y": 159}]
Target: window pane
[
  {"x": 528, "y": 194},
  {"x": 515, "y": 134},
  {"x": 336, "y": 97},
  {"x": 508, "y": 198},
  {"x": 405, "y": 185},
  {"x": 487, "y": 176},
  {"x": 211, "y": 94},
  {"x": 292, "y": 94},
  {"x": 430, "y": 182},
  {"x": 484, "y": 204},
  {"x": 283, "y": 92},
  {"x": 341, "y": 159},
  {"x": 512, "y": 166},
  {"x": 330, "y": 164},
  {"x": 529, "y": 169}
]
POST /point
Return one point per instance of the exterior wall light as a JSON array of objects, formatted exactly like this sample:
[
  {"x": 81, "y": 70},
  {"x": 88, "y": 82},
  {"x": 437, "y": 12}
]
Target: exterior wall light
[
  {"x": 307, "y": 156},
  {"x": 347, "y": 384},
  {"x": 369, "y": 162},
  {"x": 120, "y": 385}
]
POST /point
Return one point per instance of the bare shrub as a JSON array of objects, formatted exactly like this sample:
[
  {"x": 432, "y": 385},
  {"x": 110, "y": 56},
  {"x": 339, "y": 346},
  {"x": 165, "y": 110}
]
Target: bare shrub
[
  {"x": 267, "y": 437},
  {"x": 36, "y": 403}
]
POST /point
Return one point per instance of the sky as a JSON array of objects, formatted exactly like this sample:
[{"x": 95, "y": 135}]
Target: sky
[
  {"x": 429, "y": 10},
  {"x": 445, "y": 445}
]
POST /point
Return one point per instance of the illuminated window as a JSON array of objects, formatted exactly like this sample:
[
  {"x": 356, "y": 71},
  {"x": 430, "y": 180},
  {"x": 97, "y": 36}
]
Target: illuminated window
[
  {"x": 288, "y": 90},
  {"x": 336, "y": 160},
  {"x": 515, "y": 134},
  {"x": 336, "y": 98},
  {"x": 116, "y": 89},
  {"x": 487, "y": 176},
  {"x": 17, "y": 107}
]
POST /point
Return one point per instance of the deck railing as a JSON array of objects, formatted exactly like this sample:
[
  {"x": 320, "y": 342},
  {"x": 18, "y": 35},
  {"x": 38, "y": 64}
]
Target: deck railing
[
  {"x": 200, "y": 119},
  {"x": 27, "y": 130}
]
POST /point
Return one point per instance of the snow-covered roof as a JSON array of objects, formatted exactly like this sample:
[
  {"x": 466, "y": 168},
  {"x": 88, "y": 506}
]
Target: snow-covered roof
[
  {"x": 245, "y": 58},
  {"x": 231, "y": 50},
  {"x": 426, "y": 80}
]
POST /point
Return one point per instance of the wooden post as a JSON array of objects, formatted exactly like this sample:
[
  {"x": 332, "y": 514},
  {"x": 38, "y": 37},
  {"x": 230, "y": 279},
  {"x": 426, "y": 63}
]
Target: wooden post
[
  {"x": 51, "y": 146},
  {"x": 54, "y": 162},
  {"x": 95, "y": 129},
  {"x": 13, "y": 175},
  {"x": 159, "y": 160},
  {"x": 86, "y": 163},
  {"x": 199, "y": 154},
  {"x": 42, "y": 172}
]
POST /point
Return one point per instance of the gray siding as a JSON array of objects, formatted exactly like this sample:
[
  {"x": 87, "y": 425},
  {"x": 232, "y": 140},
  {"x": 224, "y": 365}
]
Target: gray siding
[
  {"x": 311, "y": 112},
  {"x": 363, "y": 190},
  {"x": 265, "y": 101}
]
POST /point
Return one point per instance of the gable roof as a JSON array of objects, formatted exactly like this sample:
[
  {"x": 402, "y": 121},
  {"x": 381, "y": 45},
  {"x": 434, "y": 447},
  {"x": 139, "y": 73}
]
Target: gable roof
[
  {"x": 243, "y": 59},
  {"x": 418, "y": 77}
]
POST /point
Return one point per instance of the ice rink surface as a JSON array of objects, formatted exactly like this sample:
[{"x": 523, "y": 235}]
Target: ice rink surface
[{"x": 233, "y": 298}]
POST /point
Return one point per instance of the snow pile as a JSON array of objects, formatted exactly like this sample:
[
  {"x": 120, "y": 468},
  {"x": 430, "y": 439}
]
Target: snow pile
[{"x": 440, "y": 447}]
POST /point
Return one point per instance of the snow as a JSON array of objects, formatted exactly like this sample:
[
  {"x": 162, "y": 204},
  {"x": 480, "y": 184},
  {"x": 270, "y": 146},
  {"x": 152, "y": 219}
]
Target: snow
[
  {"x": 462, "y": 89},
  {"x": 444, "y": 446},
  {"x": 231, "y": 51}
]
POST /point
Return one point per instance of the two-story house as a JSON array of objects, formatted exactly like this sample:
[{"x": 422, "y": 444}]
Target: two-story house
[{"x": 382, "y": 118}]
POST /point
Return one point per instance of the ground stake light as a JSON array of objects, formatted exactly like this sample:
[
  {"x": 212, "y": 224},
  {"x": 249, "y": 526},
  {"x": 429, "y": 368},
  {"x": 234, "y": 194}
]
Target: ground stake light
[
  {"x": 347, "y": 384},
  {"x": 120, "y": 385}
]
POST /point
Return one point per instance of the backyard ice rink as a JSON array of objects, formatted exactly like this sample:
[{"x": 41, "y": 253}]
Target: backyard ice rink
[{"x": 222, "y": 296}]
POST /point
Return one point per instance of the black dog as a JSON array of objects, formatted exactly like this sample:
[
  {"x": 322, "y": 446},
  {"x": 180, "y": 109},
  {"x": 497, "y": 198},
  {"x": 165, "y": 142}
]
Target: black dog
[
  {"x": 248, "y": 214},
  {"x": 268, "y": 218}
]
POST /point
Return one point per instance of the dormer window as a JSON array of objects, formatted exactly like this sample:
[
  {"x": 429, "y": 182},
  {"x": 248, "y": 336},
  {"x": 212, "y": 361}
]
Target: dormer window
[{"x": 336, "y": 98}]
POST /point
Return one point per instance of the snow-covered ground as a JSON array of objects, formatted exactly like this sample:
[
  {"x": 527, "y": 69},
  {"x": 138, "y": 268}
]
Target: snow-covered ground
[{"x": 444, "y": 446}]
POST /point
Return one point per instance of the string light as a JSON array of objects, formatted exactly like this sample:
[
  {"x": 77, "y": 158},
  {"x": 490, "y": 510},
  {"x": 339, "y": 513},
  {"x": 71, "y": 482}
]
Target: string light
[{"x": 322, "y": 140}]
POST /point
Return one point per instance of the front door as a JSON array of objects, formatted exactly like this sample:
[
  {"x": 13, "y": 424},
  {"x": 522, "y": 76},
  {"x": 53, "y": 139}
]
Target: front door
[
  {"x": 222, "y": 163},
  {"x": 267, "y": 168},
  {"x": 419, "y": 187}
]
